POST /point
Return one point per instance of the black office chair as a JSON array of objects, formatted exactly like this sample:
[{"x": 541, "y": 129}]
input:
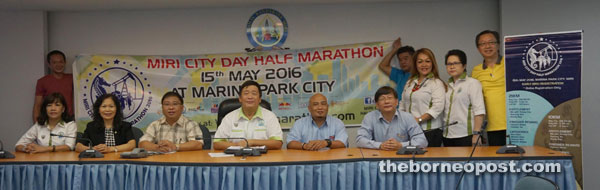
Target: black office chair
[
  {"x": 137, "y": 134},
  {"x": 231, "y": 104},
  {"x": 206, "y": 138},
  {"x": 535, "y": 183}
]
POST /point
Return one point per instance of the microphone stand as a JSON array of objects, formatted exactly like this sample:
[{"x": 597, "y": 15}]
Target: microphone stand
[
  {"x": 5, "y": 154},
  {"x": 414, "y": 150},
  {"x": 483, "y": 127},
  {"x": 89, "y": 153}
]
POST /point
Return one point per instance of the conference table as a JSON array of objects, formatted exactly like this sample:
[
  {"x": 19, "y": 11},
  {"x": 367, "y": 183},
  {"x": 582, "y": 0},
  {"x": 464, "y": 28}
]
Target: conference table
[{"x": 346, "y": 168}]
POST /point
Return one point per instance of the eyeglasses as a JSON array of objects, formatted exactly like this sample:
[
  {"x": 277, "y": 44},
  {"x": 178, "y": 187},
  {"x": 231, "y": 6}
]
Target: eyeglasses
[
  {"x": 453, "y": 63},
  {"x": 487, "y": 44},
  {"x": 171, "y": 104}
]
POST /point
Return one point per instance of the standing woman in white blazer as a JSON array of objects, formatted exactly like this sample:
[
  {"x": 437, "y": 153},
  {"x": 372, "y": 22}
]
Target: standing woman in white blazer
[
  {"x": 423, "y": 96},
  {"x": 464, "y": 103}
]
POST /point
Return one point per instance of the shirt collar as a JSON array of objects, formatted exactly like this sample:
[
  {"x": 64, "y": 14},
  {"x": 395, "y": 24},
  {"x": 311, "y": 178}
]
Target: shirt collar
[
  {"x": 60, "y": 124},
  {"x": 315, "y": 124},
  {"x": 429, "y": 76},
  {"x": 500, "y": 57},
  {"x": 380, "y": 115},
  {"x": 258, "y": 114},
  {"x": 462, "y": 77},
  {"x": 179, "y": 122}
]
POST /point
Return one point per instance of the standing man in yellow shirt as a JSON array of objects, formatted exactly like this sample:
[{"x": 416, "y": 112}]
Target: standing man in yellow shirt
[{"x": 491, "y": 75}]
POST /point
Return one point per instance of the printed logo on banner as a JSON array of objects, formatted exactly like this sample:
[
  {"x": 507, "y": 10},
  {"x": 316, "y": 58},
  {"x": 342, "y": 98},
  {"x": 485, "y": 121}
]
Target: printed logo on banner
[
  {"x": 267, "y": 28},
  {"x": 284, "y": 106},
  {"x": 369, "y": 100},
  {"x": 125, "y": 82},
  {"x": 542, "y": 57},
  {"x": 302, "y": 105},
  {"x": 214, "y": 108}
]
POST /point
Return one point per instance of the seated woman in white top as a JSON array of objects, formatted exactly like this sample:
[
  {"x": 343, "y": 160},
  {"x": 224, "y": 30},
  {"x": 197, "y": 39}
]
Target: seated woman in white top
[{"x": 53, "y": 119}]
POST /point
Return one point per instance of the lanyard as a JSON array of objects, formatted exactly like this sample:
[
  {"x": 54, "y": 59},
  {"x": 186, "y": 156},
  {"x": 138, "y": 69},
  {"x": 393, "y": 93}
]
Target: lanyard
[{"x": 418, "y": 86}]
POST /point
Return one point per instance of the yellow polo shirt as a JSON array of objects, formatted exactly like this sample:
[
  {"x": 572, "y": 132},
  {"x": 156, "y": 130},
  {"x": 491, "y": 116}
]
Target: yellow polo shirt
[{"x": 494, "y": 94}]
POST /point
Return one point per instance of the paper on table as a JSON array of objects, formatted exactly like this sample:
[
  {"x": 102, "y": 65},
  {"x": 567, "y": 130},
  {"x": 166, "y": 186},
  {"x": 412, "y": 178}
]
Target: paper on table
[{"x": 219, "y": 154}]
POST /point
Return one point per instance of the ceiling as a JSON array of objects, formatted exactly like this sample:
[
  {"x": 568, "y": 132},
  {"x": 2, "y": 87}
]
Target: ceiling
[{"x": 90, "y": 5}]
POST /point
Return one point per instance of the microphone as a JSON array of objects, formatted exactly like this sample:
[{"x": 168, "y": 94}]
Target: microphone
[
  {"x": 135, "y": 153},
  {"x": 411, "y": 149},
  {"x": 510, "y": 148},
  {"x": 89, "y": 153},
  {"x": 5, "y": 154},
  {"x": 244, "y": 151}
]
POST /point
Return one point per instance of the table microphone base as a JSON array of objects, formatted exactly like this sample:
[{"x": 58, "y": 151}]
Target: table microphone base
[
  {"x": 90, "y": 153},
  {"x": 409, "y": 150},
  {"x": 510, "y": 149},
  {"x": 6, "y": 154}
]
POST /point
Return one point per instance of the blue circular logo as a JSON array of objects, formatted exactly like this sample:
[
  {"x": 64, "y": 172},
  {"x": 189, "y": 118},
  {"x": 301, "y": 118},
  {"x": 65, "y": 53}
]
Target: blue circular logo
[
  {"x": 127, "y": 85},
  {"x": 542, "y": 57},
  {"x": 267, "y": 28}
]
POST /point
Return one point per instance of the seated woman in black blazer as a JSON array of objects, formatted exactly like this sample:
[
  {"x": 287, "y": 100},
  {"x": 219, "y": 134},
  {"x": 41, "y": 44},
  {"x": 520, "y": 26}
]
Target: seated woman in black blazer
[{"x": 108, "y": 131}]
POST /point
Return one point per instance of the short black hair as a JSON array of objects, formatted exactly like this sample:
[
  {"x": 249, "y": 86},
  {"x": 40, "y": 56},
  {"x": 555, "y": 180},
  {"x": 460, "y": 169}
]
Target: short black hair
[
  {"x": 460, "y": 54},
  {"x": 408, "y": 49},
  {"x": 49, "y": 99},
  {"x": 171, "y": 93},
  {"x": 385, "y": 90},
  {"x": 251, "y": 83},
  {"x": 496, "y": 35},
  {"x": 55, "y": 52},
  {"x": 118, "y": 115}
]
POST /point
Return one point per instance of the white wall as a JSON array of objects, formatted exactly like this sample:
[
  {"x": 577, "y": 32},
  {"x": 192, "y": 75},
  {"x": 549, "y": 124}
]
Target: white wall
[
  {"x": 438, "y": 25},
  {"x": 523, "y": 17},
  {"x": 22, "y": 48}
]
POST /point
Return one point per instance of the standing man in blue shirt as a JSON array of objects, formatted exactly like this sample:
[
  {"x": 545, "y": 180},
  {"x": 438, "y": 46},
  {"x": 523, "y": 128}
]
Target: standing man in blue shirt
[
  {"x": 318, "y": 130},
  {"x": 388, "y": 128},
  {"x": 404, "y": 55}
]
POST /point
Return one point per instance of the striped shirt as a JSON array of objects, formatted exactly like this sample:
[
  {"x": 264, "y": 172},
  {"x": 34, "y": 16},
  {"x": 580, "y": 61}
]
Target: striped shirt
[{"x": 182, "y": 131}]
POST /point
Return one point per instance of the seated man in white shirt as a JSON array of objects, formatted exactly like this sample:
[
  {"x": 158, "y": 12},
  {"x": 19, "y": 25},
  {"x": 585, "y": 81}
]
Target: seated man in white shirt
[{"x": 258, "y": 125}]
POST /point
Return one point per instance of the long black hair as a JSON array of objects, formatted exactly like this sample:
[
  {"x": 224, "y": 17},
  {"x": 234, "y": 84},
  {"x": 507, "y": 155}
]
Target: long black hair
[
  {"x": 49, "y": 99},
  {"x": 118, "y": 114}
]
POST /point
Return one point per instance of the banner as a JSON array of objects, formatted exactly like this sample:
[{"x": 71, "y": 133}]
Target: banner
[
  {"x": 543, "y": 91},
  {"x": 348, "y": 75}
]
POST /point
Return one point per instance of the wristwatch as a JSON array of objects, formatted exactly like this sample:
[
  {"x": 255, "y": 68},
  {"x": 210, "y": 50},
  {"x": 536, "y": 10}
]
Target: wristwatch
[
  {"x": 476, "y": 133},
  {"x": 328, "y": 142},
  {"x": 177, "y": 147}
]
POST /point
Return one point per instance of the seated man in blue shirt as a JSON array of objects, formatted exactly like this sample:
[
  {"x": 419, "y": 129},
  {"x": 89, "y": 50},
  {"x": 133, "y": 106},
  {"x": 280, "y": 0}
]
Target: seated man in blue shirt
[
  {"x": 318, "y": 130},
  {"x": 388, "y": 128}
]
